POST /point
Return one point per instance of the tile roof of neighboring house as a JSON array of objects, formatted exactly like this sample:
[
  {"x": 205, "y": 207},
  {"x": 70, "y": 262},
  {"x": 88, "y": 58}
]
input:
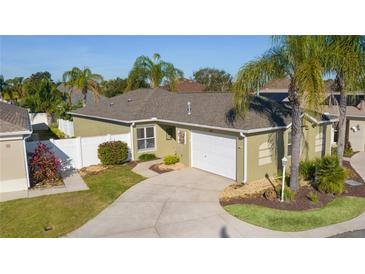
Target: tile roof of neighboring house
[
  {"x": 207, "y": 109},
  {"x": 13, "y": 118},
  {"x": 76, "y": 96},
  {"x": 358, "y": 110},
  {"x": 186, "y": 85},
  {"x": 276, "y": 84}
]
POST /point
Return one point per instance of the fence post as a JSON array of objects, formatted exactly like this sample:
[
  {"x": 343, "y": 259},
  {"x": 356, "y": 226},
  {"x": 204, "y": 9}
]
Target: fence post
[
  {"x": 108, "y": 137},
  {"x": 79, "y": 152}
]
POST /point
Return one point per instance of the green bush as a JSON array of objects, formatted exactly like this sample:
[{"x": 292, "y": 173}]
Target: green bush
[
  {"x": 171, "y": 159},
  {"x": 313, "y": 196},
  {"x": 330, "y": 175},
  {"x": 289, "y": 194},
  {"x": 348, "y": 152},
  {"x": 307, "y": 169},
  {"x": 147, "y": 157},
  {"x": 113, "y": 152},
  {"x": 57, "y": 132}
]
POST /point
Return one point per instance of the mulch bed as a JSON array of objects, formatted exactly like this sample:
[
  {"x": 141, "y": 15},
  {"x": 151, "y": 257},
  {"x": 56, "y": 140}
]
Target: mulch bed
[{"x": 301, "y": 201}]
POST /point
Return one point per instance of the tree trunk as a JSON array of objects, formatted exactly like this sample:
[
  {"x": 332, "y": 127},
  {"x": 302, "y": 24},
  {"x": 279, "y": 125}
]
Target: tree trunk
[
  {"x": 296, "y": 136},
  {"x": 84, "y": 94},
  {"x": 341, "y": 125}
]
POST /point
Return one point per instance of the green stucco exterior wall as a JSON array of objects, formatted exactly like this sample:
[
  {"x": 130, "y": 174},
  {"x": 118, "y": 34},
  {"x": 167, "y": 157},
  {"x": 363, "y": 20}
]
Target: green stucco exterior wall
[{"x": 87, "y": 127}]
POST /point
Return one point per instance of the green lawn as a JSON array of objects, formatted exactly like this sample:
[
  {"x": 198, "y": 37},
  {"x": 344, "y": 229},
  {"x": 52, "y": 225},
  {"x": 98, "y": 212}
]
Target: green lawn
[
  {"x": 339, "y": 210},
  {"x": 64, "y": 212}
]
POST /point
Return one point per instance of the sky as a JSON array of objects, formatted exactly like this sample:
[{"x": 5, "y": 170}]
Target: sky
[{"x": 113, "y": 56}]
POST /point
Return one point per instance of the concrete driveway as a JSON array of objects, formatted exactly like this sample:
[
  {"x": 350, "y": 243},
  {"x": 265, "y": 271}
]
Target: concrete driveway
[{"x": 184, "y": 203}]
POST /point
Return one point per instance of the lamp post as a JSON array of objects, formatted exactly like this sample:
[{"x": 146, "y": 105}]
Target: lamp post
[{"x": 284, "y": 161}]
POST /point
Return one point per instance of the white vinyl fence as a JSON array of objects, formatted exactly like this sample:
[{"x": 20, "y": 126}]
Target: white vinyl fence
[
  {"x": 79, "y": 152},
  {"x": 66, "y": 127}
]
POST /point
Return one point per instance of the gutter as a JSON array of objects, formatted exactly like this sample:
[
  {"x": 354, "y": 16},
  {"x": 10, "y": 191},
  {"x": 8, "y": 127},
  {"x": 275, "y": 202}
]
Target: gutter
[
  {"x": 244, "y": 157},
  {"x": 15, "y": 133},
  {"x": 132, "y": 142},
  {"x": 26, "y": 160}
]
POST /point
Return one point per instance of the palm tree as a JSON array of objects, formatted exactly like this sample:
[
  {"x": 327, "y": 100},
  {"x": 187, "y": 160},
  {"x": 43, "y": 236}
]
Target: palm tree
[
  {"x": 299, "y": 59},
  {"x": 345, "y": 58},
  {"x": 155, "y": 71},
  {"x": 13, "y": 89},
  {"x": 2, "y": 86},
  {"x": 83, "y": 81}
]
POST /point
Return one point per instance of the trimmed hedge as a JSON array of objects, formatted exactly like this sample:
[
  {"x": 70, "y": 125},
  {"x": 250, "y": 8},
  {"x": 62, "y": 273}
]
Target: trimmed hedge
[
  {"x": 171, "y": 159},
  {"x": 113, "y": 152},
  {"x": 147, "y": 157}
]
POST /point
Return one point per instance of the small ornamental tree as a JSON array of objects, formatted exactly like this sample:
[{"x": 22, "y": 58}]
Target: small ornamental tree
[
  {"x": 113, "y": 152},
  {"x": 44, "y": 166}
]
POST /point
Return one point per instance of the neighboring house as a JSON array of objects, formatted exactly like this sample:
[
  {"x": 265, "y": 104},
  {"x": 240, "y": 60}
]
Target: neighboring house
[
  {"x": 355, "y": 124},
  {"x": 205, "y": 131},
  {"x": 187, "y": 85},
  {"x": 76, "y": 96},
  {"x": 15, "y": 127}
]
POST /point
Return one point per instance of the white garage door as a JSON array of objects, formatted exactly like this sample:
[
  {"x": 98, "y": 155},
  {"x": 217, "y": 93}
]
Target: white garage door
[{"x": 214, "y": 153}]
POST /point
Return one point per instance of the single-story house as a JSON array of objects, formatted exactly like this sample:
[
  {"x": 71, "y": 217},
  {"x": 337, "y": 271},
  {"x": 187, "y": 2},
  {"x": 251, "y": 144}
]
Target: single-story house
[
  {"x": 355, "y": 124},
  {"x": 205, "y": 131},
  {"x": 15, "y": 127}
]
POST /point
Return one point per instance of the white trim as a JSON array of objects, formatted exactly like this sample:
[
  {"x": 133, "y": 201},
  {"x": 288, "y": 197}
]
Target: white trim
[
  {"x": 244, "y": 157},
  {"x": 26, "y": 161},
  {"x": 145, "y": 138},
  {"x": 131, "y": 128},
  {"x": 154, "y": 119},
  {"x": 15, "y": 133}
]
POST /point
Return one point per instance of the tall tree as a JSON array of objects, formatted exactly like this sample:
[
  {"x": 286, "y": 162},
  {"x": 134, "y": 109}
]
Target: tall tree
[
  {"x": 41, "y": 94},
  {"x": 345, "y": 57},
  {"x": 13, "y": 89},
  {"x": 154, "y": 72},
  {"x": 298, "y": 58},
  {"x": 113, "y": 87},
  {"x": 213, "y": 79},
  {"x": 2, "y": 86},
  {"x": 83, "y": 80}
]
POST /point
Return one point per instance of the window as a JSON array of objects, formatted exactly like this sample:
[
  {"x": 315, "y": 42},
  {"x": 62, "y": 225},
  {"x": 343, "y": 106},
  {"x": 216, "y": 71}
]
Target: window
[
  {"x": 265, "y": 154},
  {"x": 146, "y": 138},
  {"x": 289, "y": 143},
  {"x": 170, "y": 133}
]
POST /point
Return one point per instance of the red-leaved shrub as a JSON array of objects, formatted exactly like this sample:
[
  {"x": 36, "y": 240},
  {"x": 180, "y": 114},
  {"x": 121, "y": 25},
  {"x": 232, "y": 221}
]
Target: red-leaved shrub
[{"x": 44, "y": 166}]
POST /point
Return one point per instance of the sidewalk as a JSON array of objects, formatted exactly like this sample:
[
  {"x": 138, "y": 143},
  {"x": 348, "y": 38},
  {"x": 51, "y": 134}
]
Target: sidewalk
[
  {"x": 144, "y": 170},
  {"x": 71, "y": 179},
  {"x": 358, "y": 163}
]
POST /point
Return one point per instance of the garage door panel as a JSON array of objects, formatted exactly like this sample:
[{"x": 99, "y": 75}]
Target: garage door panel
[{"x": 214, "y": 153}]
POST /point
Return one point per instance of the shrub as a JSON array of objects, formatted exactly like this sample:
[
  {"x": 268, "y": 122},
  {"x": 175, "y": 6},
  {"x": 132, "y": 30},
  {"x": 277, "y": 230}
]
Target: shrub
[
  {"x": 44, "y": 166},
  {"x": 313, "y": 196},
  {"x": 113, "y": 152},
  {"x": 171, "y": 159},
  {"x": 307, "y": 169},
  {"x": 348, "y": 152},
  {"x": 56, "y": 131},
  {"x": 330, "y": 175},
  {"x": 147, "y": 157},
  {"x": 289, "y": 194}
]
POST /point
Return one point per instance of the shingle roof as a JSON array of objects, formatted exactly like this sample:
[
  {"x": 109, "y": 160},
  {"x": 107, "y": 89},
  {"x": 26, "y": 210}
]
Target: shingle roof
[
  {"x": 210, "y": 109},
  {"x": 76, "y": 96},
  {"x": 13, "y": 118},
  {"x": 186, "y": 85},
  {"x": 358, "y": 110}
]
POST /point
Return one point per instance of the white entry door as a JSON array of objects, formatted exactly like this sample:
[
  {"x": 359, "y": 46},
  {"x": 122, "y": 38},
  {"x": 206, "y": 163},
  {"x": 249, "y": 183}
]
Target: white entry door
[{"x": 213, "y": 152}]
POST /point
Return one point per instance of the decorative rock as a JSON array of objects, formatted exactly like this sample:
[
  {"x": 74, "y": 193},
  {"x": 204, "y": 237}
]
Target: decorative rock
[
  {"x": 352, "y": 183},
  {"x": 270, "y": 195}
]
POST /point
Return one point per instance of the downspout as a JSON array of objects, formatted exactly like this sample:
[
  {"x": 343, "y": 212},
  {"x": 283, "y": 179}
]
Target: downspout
[
  {"x": 244, "y": 157},
  {"x": 132, "y": 141},
  {"x": 26, "y": 160}
]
